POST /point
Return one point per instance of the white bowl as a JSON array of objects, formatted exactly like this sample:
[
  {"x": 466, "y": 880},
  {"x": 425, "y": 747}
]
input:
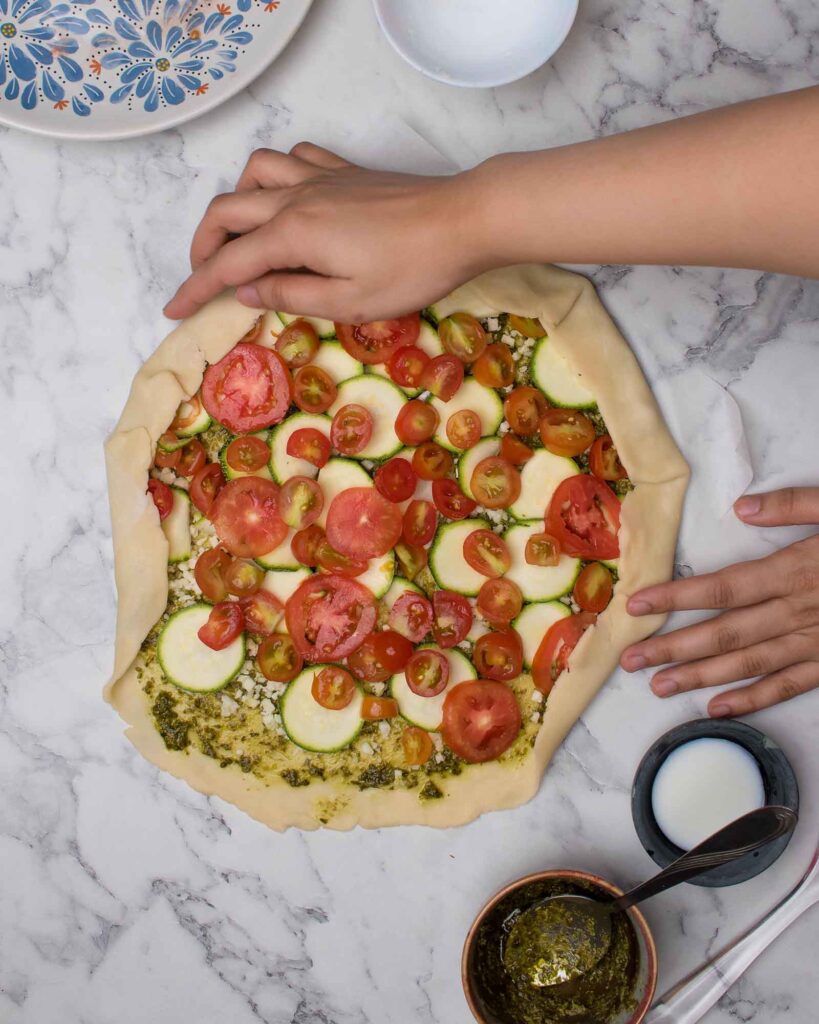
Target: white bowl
[{"x": 477, "y": 43}]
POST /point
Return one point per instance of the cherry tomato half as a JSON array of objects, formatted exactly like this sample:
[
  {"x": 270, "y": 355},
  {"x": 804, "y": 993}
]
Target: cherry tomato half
[
  {"x": 162, "y": 496},
  {"x": 298, "y": 343},
  {"x": 351, "y": 429},
  {"x": 411, "y": 559},
  {"x": 451, "y": 501},
  {"x": 309, "y": 444},
  {"x": 552, "y": 656},
  {"x": 246, "y": 517},
  {"x": 481, "y": 720},
  {"x": 361, "y": 523},
  {"x": 584, "y": 517},
  {"x": 396, "y": 479},
  {"x": 566, "y": 431},
  {"x": 528, "y": 326},
  {"x": 542, "y": 549},
  {"x": 300, "y": 502},
  {"x": 407, "y": 365},
  {"x": 593, "y": 588},
  {"x": 514, "y": 450},
  {"x": 374, "y": 709},
  {"x": 247, "y": 454},
  {"x": 305, "y": 545},
  {"x": 205, "y": 486},
  {"x": 524, "y": 408},
  {"x": 262, "y": 611},
  {"x": 167, "y": 460},
  {"x": 333, "y": 687},
  {"x": 376, "y": 342},
  {"x": 416, "y": 422},
  {"x": 224, "y": 624},
  {"x": 417, "y": 746},
  {"x": 332, "y": 561},
  {"x": 411, "y": 616},
  {"x": 313, "y": 389},
  {"x": 187, "y": 413},
  {"x": 242, "y": 577},
  {"x": 420, "y": 521},
  {"x": 380, "y": 656},
  {"x": 604, "y": 462},
  {"x": 498, "y": 655},
  {"x": 462, "y": 335},
  {"x": 496, "y": 367},
  {"x": 495, "y": 483},
  {"x": 463, "y": 429},
  {"x": 432, "y": 462},
  {"x": 443, "y": 376},
  {"x": 499, "y": 601},
  {"x": 191, "y": 458},
  {"x": 487, "y": 553},
  {"x": 277, "y": 658},
  {"x": 209, "y": 573},
  {"x": 427, "y": 673},
  {"x": 453, "y": 618}
]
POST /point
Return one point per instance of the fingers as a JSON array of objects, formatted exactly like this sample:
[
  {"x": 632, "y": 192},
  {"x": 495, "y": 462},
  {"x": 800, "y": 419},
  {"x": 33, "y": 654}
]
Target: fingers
[
  {"x": 791, "y": 506},
  {"x": 312, "y": 294},
  {"x": 773, "y": 689},
  {"x": 235, "y": 213},
  {"x": 319, "y": 156},
  {"x": 267, "y": 168}
]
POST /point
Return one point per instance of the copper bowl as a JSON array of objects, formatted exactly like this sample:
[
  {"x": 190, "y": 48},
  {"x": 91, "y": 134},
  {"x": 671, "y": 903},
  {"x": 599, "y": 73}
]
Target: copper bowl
[{"x": 646, "y": 969}]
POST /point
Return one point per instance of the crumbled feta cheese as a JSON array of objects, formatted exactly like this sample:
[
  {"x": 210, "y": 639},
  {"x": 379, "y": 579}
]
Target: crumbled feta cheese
[
  {"x": 366, "y": 749},
  {"x": 229, "y": 705},
  {"x": 398, "y": 774},
  {"x": 368, "y": 464},
  {"x": 167, "y": 476},
  {"x": 378, "y": 688},
  {"x": 267, "y": 707},
  {"x": 437, "y": 740},
  {"x": 439, "y": 758},
  {"x": 534, "y": 717},
  {"x": 537, "y": 696},
  {"x": 465, "y": 646},
  {"x": 504, "y": 428},
  {"x": 384, "y": 728},
  {"x": 492, "y": 323},
  {"x": 252, "y": 647}
]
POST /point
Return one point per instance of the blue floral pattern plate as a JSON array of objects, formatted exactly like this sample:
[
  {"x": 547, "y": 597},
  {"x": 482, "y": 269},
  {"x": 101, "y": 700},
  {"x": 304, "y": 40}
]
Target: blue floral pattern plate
[{"x": 105, "y": 69}]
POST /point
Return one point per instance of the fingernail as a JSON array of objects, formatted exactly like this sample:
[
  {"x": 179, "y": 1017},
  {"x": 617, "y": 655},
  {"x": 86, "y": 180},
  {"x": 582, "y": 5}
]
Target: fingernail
[
  {"x": 664, "y": 687},
  {"x": 719, "y": 711},
  {"x": 750, "y": 505},
  {"x": 248, "y": 295},
  {"x": 636, "y": 661},
  {"x": 638, "y": 606}
]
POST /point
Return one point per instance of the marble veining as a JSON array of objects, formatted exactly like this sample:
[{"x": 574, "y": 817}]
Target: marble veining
[{"x": 126, "y": 897}]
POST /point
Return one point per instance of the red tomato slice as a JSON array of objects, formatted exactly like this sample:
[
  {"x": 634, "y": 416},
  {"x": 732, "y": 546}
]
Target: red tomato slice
[
  {"x": 309, "y": 444},
  {"x": 584, "y": 517},
  {"x": 453, "y": 618},
  {"x": 277, "y": 658},
  {"x": 351, "y": 429},
  {"x": 427, "y": 673},
  {"x": 163, "y": 498},
  {"x": 361, "y": 523},
  {"x": 566, "y": 432},
  {"x": 498, "y": 655},
  {"x": 298, "y": 343},
  {"x": 411, "y": 616},
  {"x": 242, "y": 578},
  {"x": 329, "y": 616},
  {"x": 224, "y": 624},
  {"x": 305, "y": 545},
  {"x": 463, "y": 336},
  {"x": 313, "y": 389},
  {"x": 411, "y": 559},
  {"x": 495, "y": 483},
  {"x": 481, "y": 720},
  {"x": 262, "y": 611},
  {"x": 593, "y": 588},
  {"x": 191, "y": 458},
  {"x": 333, "y": 687},
  {"x": 246, "y": 517},
  {"x": 376, "y": 342},
  {"x": 416, "y": 422},
  {"x": 417, "y": 744},
  {"x": 524, "y": 409},
  {"x": 209, "y": 573},
  {"x": 396, "y": 479},
  {"x": 443, "y": 376},
  {"x": 247, "y": 454},
  {"x": 500, "y": 601},
  {"x": 420, "y": 520},
  {"x": 487, "y": 553},
  {"x": 247, "y": 390},
  {"x": 380, "y": 656},
  {"x": 332, "y": 561},
  {"x": 496, "y": 367},
  {"x": 514, "y": 450},
  {"x": 432, "y": 462},
  {"x": 552, "y": 656},
  {"x": 373, "y": 709},
  {"x": 542, "y": 549},
  {"x": 463, "y": 429},
  {"x": 300, "y": 502},
  {"x": 407, "y": 365},
  {"x": 451, "y": 501},
  {"x": 205, "y": 486},
  {"x": 604, "y": 462}
]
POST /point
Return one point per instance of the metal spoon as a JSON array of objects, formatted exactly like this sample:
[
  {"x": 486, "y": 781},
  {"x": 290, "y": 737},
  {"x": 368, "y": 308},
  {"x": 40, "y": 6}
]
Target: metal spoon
[{"x": 560, "y": 938}]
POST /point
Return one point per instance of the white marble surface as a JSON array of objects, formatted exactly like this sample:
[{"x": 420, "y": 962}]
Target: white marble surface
[{"x": 126, "y": 897}]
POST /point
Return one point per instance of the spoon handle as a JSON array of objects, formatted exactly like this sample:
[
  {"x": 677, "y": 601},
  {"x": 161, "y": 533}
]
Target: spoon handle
[{"x": 746, "y": 834}]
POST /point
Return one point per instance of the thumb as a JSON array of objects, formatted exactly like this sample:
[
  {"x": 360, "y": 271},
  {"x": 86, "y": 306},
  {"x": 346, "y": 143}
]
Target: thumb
[
  {"x": 790, "y": 506},
  {"x": 302, "y": 293}
]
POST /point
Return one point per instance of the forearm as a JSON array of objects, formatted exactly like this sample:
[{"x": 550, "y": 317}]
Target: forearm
[{"x": 737, "y": 187}]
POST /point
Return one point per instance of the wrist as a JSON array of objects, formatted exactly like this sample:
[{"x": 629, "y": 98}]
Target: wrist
[{"x": 498, "y": 210}]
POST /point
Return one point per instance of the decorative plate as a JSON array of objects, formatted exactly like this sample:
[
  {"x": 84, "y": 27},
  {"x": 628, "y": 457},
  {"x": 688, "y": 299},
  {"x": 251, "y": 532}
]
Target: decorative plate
[{"x": 109, "y": 69}]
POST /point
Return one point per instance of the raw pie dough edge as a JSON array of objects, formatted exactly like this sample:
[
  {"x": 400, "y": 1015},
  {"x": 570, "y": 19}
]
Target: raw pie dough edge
[{"x": 578, "y": 325}]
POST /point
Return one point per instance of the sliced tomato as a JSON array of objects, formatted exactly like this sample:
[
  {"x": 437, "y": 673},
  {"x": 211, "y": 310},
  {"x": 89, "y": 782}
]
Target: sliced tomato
[
  {"x": 451, "y": 501},
  {"x": 329, "y": 616},
  {"x": 205, "y": 486},
  {"x": 498, "y": 655},
  {"x": 209, "y": 573},
  {"x": 313, "y": 389},
  {"x": 332, "y": 561},
  {"x": 542, "y": 549},
  {"x": 162, "y": 496},
  {"x": 411, "y": 559},
  {"x": 420, "y": 521},
  {"x": 247, "y": 454},
  {"x": 242, "y": 577},
  {"x": 191, "y": 458},
  {"x": 361, "y": 523},
  {"x": 453, "y": 618},
  {"x": 432, "y": 462},
  {"x": 224, "y": 624},
  {"x": 333, "y": 687},
  {"x": 487, "y": 553},
  {"x": 167, "y": 460},
  {"x": 496, "y": 367},
  {"x": 427, "y": 673},
  {"x": 463, "y": 429},
  {"x": 407, "y": 365},
  {"x": 584, "y": 517},
  {"x": 377, "y": 341},
  {"x": 262, "y": 611},
  {"x": 604, "y": 462},
  {"x": 300, "y": 501},
  {"x": 524, "y": 408},
  {"x": 443, "y": 377},
  {"x": 187, "y": 413},
  {"x": 380, "y": 656},
  {"x": 277, "y": 658},
  {"x": 416, "y": 422},
  {"x": 396, "y": 479},
  {"x": 417, "y": 746},
  {"x": 254, "y": 333},
  {"x": 481, "y": 720},
  {"x": 411, "y": 616},
  {"x": 305, "y": 545},
  {"x": 593, "y": 588},
  {"x": 495, "y": 483},
  {"x": 374, "y": 709},
  {"x": 552, "y": 656},
  {"x": 298, "y": 343},
  {"x": 351, "y": 429},
  {"x": 528, "y": 326},
  {"x": 566, "y": 432},
  {"x": 309, "y": 444},
  {"x": 514, "y": 450},
  {"x": 246, "y": 517},
  {"x": 463, "y": 336},
  {"x": 250, "y": 388},
  {"x": 500, "y": 601}
]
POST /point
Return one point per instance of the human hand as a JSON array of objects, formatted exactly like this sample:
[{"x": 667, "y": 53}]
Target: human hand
[
  {"x": 769, "y": 627},
  {"x": 310, "y": 233}
]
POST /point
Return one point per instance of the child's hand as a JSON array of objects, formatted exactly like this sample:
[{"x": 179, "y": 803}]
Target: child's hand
[
  {"x": 772, "y": 629},
  {"x": 310, "y": 233}
]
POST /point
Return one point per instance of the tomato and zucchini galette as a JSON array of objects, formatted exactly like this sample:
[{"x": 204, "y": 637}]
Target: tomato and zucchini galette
[{"x": 373, "y": 573}]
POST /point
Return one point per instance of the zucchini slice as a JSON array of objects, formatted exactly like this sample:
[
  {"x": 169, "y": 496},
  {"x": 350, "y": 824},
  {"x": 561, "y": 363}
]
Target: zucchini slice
[
  {"x": 177, "y": 527},
  {"x": 378, "y": 577},
  {"x": 532, "y": 623},
  {"x": 280, "y": 557},
  {"x": 384, "y": 400},
  {"x": 335, "y": 360},
  {"x": 446, "y": 558},
  {"x": 284, "y": 583},
  {"x": 428, "y": 712},
  {"x": 558, "y": 381},
  {"x": 336, "y": 476},
  {"x": 282, "y": 465},
  {"x": 324, "y": 328},
  {"x": 398, "y": 587},
  {"x": 200, "y": 424},
  {"x": 538, "y": 582},
  {"x": 233, "y": 474},
  {"x": 484, "y": 449},
  {"x": 539, "y": 479},
  {"x": 313, "y": 727},
  {"x": 190, "y": 664},
  {"x": 485, "y": 402}
]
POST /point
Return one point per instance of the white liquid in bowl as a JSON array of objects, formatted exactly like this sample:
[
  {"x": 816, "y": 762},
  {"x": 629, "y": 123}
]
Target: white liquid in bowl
[{"x": 702, "y": 786}]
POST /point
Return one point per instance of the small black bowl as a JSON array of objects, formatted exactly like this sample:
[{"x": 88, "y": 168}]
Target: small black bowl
[{"x": 777, "y": 775}]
